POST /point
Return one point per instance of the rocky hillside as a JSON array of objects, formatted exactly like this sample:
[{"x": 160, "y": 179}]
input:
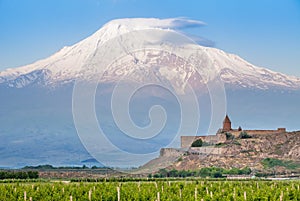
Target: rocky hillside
[{"x": 278, "y": 153}]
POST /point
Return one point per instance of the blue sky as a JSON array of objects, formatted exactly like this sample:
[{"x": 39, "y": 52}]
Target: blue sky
[{"x": 264, "y": 32}]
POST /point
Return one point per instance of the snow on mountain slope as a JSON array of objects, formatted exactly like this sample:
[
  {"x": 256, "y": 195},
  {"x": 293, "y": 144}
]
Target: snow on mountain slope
[{"x": 66, "y": 65}]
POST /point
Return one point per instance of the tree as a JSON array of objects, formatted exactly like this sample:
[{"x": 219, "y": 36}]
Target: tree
[
  {"x": 229, "y": 136},
  {"x": 217, "y": 174},
  {"x": 244, "y": 135},
  {"x": 163, "y": 172},
  {"x": 173, "y": 173},
  {"x": 33, "y": 174},
  {"x": 197, "y": 143}
]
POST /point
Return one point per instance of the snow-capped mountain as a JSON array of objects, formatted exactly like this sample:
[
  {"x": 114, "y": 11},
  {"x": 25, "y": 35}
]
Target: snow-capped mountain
[
  {"x": 37, "y": 125},
  {"x": 68, "y": 64}
]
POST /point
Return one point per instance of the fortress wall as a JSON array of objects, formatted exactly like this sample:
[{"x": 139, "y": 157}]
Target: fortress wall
[
  {"x": 170, "y": 152},
  {"x": 206, "y": 150},
  {"x": 186, "y": 141},
  {"x": 258, "y": 132}
]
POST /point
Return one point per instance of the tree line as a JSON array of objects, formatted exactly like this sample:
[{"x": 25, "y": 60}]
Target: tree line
[
  {"x": 212, "y": 172},
  {"x": 19, "y": 175}
]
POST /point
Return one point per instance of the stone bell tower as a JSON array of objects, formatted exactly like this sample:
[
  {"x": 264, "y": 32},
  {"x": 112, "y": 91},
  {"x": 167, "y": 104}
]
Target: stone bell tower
[{"x": 226, "y": 124}]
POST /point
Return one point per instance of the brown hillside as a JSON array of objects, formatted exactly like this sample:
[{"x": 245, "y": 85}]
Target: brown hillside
[{"x": 240, "y": 153}]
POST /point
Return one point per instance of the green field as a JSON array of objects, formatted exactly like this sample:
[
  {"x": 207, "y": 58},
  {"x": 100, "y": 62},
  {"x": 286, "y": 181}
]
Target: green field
[{"x": 151, "y": 190}]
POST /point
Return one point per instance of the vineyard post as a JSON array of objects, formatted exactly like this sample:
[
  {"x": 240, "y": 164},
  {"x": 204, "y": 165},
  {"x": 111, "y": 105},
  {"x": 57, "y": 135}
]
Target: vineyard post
[
  {"x": 25, "y": 197},
  {"x": 119, "y": 196},
  {"x": 90, "y": 194},
  {"x": 281, "y": 196},
  {"x": 30, "y": 198},
  {"x": 245, "y": 195},
  {"x": 196, "y": 193},
  {"x": 71, "y": 198},
  {"x": 234, "y": 193},
  {"x": 158, "y": 196},
  {"x": 180, "y": 192}
]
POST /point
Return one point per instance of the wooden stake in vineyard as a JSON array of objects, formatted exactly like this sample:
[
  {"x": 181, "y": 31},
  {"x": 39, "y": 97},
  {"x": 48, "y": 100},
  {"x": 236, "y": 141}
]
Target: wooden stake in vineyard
[
  {"x": 119, "y": 196},
  {"x": 71, "y": 198},
  {"x": 90, "y": 194},
  {"x": 245, "y": 195},
  {"x": 196, "y": 192},
  {"x": 158, "y": 196},
  {"x": 234, "y": 193},
  {"x": 25, "y": 196}
]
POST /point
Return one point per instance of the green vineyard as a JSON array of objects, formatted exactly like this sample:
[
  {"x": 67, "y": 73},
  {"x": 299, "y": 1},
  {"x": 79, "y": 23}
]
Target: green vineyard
[{"x": 151, "y": 190}]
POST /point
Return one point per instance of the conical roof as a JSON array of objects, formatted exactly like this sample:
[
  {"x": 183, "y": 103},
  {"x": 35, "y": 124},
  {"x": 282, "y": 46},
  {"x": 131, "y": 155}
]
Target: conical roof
[{"x": 226, "y": 120}]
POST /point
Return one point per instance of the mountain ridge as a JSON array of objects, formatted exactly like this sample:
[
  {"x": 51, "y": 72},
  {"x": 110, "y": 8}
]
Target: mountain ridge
[{"x": 67, "y": 64}]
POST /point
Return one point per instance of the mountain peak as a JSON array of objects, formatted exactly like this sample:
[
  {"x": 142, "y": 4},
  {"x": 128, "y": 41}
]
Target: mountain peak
[{"x": 66, "y": 65}]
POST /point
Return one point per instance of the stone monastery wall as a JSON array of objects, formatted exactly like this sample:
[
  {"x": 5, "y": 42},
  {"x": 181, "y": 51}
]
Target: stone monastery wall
[{"x": 186, "y": 141}]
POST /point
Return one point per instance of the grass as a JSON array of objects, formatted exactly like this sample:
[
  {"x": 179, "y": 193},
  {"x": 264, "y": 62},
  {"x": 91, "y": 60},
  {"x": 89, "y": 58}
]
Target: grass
[{"x": 273, "y": 162}]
